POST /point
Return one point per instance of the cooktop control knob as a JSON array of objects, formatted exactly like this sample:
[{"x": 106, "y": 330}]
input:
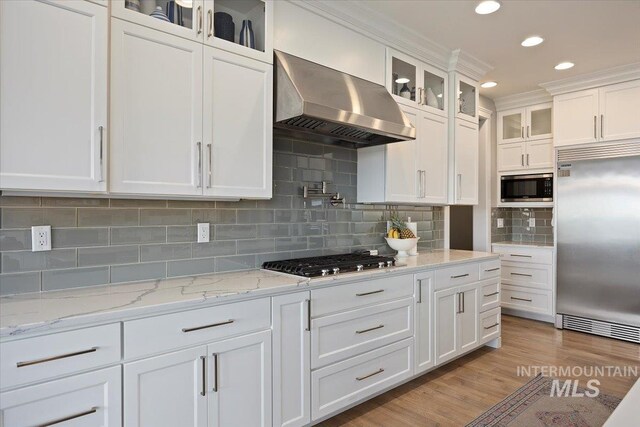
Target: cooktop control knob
[
  {"x": 381, "y": 264},
  {"x": 324, "y": 272},
  {"x": 389, "y": 263},
  {"x": 359, "y": 267},
  {"x": 336, "y": 270}
]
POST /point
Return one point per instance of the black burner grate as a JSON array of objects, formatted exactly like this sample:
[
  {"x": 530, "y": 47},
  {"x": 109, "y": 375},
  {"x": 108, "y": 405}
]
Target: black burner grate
[{"x": 314, "y": 266}]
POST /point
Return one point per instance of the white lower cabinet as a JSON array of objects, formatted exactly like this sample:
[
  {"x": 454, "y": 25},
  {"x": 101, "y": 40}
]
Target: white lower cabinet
[
  {"x": 423, "y": 322},
  {"x": 85, "y": 400},
  {"x": 291, "y": 360}
]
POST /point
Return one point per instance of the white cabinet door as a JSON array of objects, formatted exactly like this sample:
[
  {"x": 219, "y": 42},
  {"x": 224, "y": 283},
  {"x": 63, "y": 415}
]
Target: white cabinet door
[
  {"x": 53, "y": 109},
  {"x": 432, "y": 145},
  {"x": 156, "y": 112},
  {"x": 291, "y": 360},
  {"x": 539, "y": 121},
  {"x": 238, "y": 118},
  {"x": 401, "y": 172},
  {"x": 239, "y": 386},
  {"x": 423, "y": 323},
  {"x": 575, "y": 118},
  {"x": 620, "y": 111},
  {"x": 167, "y": 390},
  {"x": 511, "y": 124},
  {"x": 539, "y": 154},
  {"x": 445, "y": 307},
  {"x": 468, "y": 318},
  {"x": 87, "y": 400},
  {"x": 466, "y": 162},
  {"x": 511, "y": 156}
]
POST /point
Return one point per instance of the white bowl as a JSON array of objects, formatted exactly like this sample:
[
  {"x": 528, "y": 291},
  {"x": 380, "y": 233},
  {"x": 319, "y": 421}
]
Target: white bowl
[{"x": 403, "y": 246}]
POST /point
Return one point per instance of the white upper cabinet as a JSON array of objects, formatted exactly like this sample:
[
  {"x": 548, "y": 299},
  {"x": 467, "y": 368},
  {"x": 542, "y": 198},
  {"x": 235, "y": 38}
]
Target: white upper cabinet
[
  {"x": 465, "y": 163},
  {"x": 237, "y": 129},
  {"x": 412, "y": 171},
  {"x": 539, "y": 121},
  {"x": 466, "y": 97},
  {"x": 607, "y": 113},
  {"x": 156, "y": 112},
  {"x": 416, "y": 84},
  {"x": 525, "y": 124},
  {"x": 53, "y": 108}
]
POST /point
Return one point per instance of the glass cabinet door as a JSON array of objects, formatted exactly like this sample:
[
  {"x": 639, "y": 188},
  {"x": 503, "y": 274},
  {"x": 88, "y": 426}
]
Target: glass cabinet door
[
  {"x": 467, "y": 100},
  {"x": 511, "y": 126},
  {"x": 402, "y": 78},
  {"x": 181, "y": 17},
  {"x": 539, "y": 122},
  {"x": 435, "y": 90}
]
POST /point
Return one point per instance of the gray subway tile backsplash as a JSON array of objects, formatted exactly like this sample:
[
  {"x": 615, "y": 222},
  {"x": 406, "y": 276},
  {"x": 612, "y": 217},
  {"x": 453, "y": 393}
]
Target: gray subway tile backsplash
[{"x": 98, "y": 240}]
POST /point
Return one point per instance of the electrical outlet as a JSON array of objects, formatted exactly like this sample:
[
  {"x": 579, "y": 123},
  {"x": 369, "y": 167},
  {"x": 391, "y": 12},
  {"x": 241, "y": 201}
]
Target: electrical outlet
[
  {"x": 532, "y": 222},
  {"x": 500, "y": 222},
  {"x": 203, "y": 232},
  {"x": 41, "y": 238}
]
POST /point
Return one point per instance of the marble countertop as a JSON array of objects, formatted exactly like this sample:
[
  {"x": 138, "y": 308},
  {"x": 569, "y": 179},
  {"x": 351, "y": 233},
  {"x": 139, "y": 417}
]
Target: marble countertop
[
  {"x": 534, "y": 244},
  {"x": 43, "y": 312}
]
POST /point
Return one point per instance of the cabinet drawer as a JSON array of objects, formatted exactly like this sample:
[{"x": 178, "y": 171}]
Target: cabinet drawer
[
  {"x": 350, "y": 333},
  {"x": 343, "y": 383},
  {"x": 355, "y": 295},
  {"x": 161, "y": 333},
  {"x": 83, "y": 400},
  {"x": 458, "y": 275},
  {"x": 489, "y": 295},
  {"x": 490, "y": 269},
  {"x": 490, "y": 325},
  {"x": 530, "y": 275},
  {"x": 528, "y": 299},
  {"x": 525, "y": 254},
  {"x": 48, "y": 356}
]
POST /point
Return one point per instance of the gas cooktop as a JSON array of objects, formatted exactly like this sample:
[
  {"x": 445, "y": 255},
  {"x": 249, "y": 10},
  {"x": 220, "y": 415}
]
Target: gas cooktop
[{"x": 329, "y": 264}]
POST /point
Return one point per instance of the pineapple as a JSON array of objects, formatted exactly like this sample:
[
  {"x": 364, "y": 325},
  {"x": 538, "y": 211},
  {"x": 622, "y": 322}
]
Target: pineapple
[{"x": 401, "y": 226}]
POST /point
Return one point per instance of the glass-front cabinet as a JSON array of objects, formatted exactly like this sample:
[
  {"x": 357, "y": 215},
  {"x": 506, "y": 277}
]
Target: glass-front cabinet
[
  {"x": 466, "y": 96},
  {"x": 525, "y": 123},
  {"x": 239, "y": 26},
  {"x": 416, "y": 84}
]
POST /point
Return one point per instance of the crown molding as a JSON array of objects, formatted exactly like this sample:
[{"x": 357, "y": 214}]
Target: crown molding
[
  {"x": 485, "y": 112},
  {"x": 462, "y": 62},
  {"x": 522, "y": 99},
  {"x": 357, "y": 16},
  {"x": 609, "y": 76}
]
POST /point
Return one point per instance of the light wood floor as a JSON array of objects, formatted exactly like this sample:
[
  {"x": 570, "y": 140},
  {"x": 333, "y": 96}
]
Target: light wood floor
[{"x": 457, "y": 393}]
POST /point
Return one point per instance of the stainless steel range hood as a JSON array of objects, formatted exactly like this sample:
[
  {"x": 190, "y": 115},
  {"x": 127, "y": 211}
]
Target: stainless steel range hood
[{"x": 322, "y": 104}]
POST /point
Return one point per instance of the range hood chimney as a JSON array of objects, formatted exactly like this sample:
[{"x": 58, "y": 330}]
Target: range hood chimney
[{"x": 318, "y": 103}]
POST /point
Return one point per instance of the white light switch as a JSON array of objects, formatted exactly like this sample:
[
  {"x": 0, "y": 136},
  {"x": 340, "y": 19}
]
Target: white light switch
[
  {"x": 203, "y": 232},
  {"x": 532, "y": 222},
  {"x": 500, "y": 222},
  {"x": 41, "y": 238}
]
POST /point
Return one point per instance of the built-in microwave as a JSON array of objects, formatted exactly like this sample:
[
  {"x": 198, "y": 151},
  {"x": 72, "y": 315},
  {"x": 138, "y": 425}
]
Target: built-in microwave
[{"x": 526, "y": 188}]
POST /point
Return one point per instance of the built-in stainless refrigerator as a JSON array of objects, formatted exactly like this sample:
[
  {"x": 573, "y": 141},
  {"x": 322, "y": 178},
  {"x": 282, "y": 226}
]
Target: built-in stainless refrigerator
[{"x": 598, "y": 240}]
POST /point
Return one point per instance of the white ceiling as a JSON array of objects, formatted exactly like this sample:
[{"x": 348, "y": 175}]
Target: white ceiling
[{"x": 594, "y": 34}]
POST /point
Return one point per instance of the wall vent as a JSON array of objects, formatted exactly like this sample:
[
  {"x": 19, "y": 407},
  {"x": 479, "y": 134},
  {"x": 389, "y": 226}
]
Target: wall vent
[
  {"x": 608, "y": 151},
  {"x": 605, "y": 329}
]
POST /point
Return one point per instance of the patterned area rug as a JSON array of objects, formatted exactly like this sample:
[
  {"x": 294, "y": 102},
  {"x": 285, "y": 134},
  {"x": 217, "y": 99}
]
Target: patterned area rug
[{"x": 533, "y": 406}]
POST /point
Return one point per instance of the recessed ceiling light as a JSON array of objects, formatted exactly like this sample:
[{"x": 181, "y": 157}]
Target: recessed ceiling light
[
  {"x": 487, "y": 85},
  {"x": 532, "y": 41},
  {"x": 564, "y": 65},
  {"x": 488, "y": 6},
  {"x": 402, "y": 80}
]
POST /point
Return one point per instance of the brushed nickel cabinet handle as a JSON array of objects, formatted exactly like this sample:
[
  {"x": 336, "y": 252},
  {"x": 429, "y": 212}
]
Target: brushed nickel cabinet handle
[
  {"x": 419, "y": 292},
  {"x": 209, "y": 171},
  {"x": 527, "y": 159},
  {"x": 215, "y": 371},
  {"x": 379, "y": 371},
  {"x": 51, "y": 359},
  {"x": 370, "y": 329},
  {"x": 308, "y": 302},
  {"x": 459, "y": 310},
  {"x": 199, "y": 148},
  {"x": 521, "y": 159},
  {"x": 424, "y": 184},
  {"x": 364, "y": 294},
  {"x": 521, "y": 274},
  {"x": 601, "y": 126},
  {"x": 213, "y": 325},
  {"x": 521, "y": 299},
  {"x": 463, "y": 304},
  {"x": 210, "y": 23},
  {"x": 492, "y": 326},
  {"x": 595, "y": 124},
  {"x": 521, "y": 256},
  {"x": 528, "y": 135},
  {"x": 492, "y": 294},
  {"x": 70, "y": 417},
  {"x": 419, "y": 172},
  {"x": 459, "y": 186},
  {"x": 522, "y": 132},
  {"x": 203, "y": 359},
  {"x": 100, "y": 154},
  {"x": 492, "y": 269},
  {"x": 199, "y": 12},
  {"x": 459, "y": 276}
]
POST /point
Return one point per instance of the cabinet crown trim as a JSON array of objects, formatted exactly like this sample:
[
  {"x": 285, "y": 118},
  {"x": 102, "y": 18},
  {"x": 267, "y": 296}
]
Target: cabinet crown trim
[
  {"x": 523, "y": 99},
  {"x": 468, "y": 65},
  {"x": 609, "y": 76}
]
